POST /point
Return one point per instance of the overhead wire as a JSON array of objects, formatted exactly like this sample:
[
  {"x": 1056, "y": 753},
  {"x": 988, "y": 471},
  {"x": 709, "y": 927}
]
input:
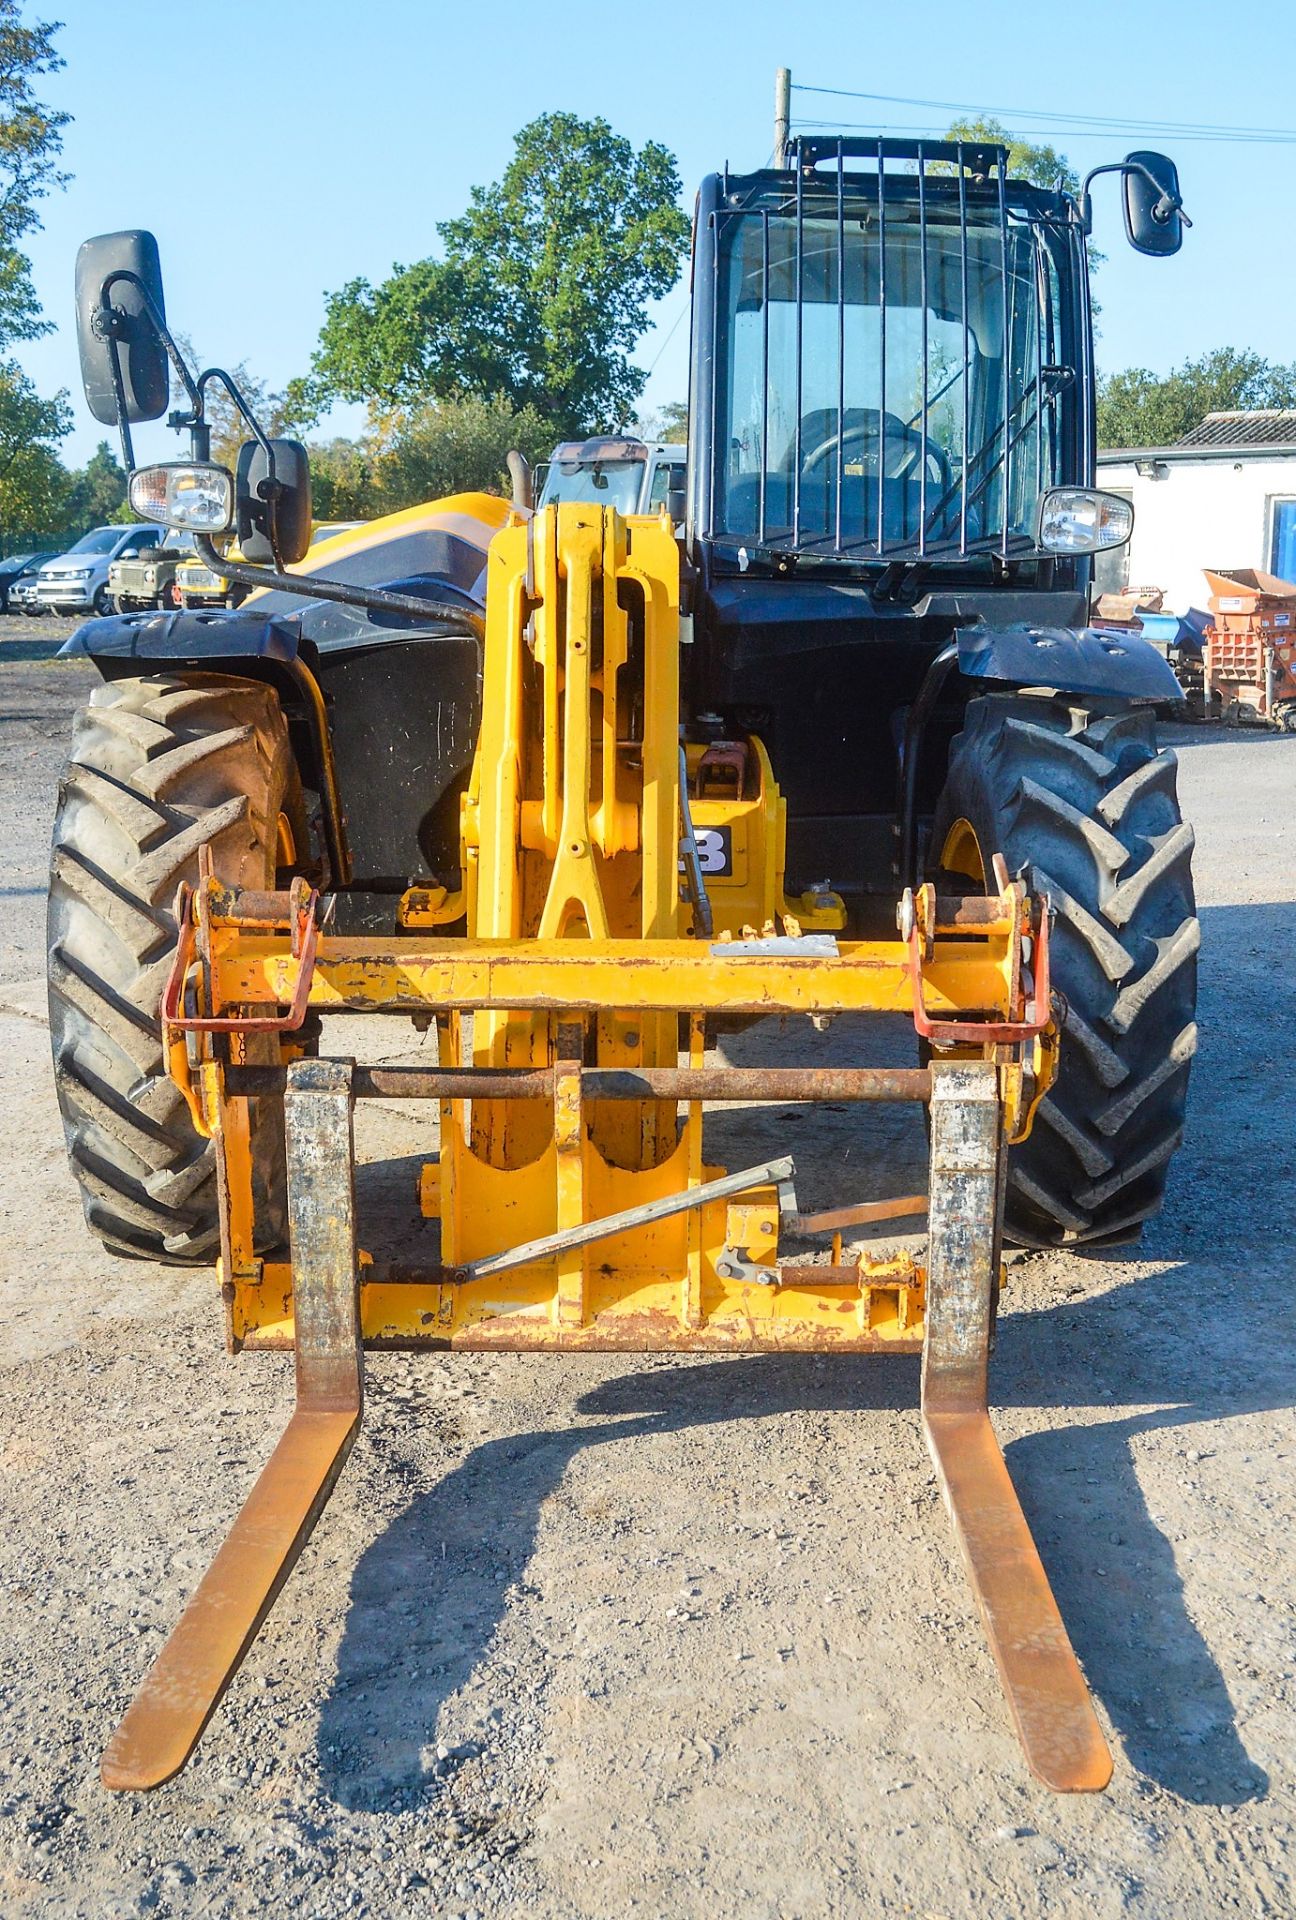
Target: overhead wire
[
  {"x": 1072, "y": 124},
  {"x": 669, "y": 337}
]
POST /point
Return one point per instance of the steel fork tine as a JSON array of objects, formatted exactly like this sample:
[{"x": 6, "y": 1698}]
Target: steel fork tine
[
  {"x": 185, "y": 1684},
  {"x": 1041, "y": 1678}
]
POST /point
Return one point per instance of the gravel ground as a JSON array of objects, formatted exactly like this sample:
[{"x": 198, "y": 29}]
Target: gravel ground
[{"x": 658, "y": 1636}]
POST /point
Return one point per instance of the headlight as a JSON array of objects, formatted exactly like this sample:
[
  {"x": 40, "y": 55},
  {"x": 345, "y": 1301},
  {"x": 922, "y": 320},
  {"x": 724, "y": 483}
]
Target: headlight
[
  {"x": 150, "y": 576},
  {"x": 1082, "y": 520},
  {"x": 76, "y": 573},
  {"x": 181, "y": 494}
]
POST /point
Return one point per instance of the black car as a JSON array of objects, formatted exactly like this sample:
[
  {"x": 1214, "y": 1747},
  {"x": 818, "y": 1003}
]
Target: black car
[{"x": 16, "y": 567}]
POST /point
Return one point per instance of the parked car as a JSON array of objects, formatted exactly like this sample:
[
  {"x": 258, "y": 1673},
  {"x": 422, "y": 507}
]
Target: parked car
[
  {"x": 200, "y": 586},
  {"x": 77, "y": 581},
  {"x": 18, "y": 566},
  {"x": 22, "y": 594},
  {"x": 149, "y": 579}
]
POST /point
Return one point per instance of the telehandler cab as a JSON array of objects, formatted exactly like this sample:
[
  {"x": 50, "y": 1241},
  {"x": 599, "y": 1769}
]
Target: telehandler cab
[{"x": 577, "y": 792}]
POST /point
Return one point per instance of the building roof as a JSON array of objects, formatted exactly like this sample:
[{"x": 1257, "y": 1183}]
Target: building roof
[
  {"x": 1262, "y": 432},
  {"x": 1263, "y": 427}
]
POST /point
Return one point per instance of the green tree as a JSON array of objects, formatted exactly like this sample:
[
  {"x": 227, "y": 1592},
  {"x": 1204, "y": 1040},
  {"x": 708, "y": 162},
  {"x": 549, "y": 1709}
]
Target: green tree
[
  {"x": 423, "y": 453},
  {"x": 98, "y": 491},
  {"x": 540, "y": 297},
  {"x": 34, "y": 487},
  {"x": 1138, "y": 408},
  {"x": 457, "y": 446},
  {"x": 344, "y": 480},
  {"x": 228, "y": 427},
  {"x": 669, "y": 423},
  {"x": 31, "y": 138},
  {"x": 34, "y": 484}
]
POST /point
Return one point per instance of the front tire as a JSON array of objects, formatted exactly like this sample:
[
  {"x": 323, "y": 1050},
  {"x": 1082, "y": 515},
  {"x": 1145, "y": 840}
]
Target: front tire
[
  {"x": 1084, "y": 805},
  {"x": 159, "y": 768}
]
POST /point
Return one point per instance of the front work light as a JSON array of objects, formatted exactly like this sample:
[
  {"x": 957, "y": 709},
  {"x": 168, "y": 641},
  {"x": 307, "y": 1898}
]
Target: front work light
[
  {"x": 1082, "y": 520},
  {"x": 184, "y": 494}
]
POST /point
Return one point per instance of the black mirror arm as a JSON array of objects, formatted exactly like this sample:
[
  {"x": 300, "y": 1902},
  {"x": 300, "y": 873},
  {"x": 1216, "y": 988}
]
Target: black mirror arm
[
  {"x": 108, "y": 324},
  {"x": 108, "y": 321},
  {"x": 311, "y": 587},
  {"x": 269, "y": 487},
  {"x": 219, "y": 373},
  {"x": 1170, "y": 203},
  {"x": 119, "y": 395}
]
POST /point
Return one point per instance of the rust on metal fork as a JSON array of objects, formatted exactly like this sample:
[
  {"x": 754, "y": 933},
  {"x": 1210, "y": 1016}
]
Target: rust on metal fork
[
  {"x": 187, "y": 1680},
  {"x": 715, "y": 1084},
  {"x": 1041, "y": 1678}
]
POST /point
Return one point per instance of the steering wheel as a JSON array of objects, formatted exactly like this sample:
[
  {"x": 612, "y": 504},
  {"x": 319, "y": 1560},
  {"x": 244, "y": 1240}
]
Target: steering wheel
[{"x": 905, "y": 448}]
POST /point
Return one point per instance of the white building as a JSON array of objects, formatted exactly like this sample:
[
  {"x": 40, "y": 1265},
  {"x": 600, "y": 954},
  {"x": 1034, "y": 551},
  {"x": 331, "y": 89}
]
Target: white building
[{"x": 1222, "y": 497}]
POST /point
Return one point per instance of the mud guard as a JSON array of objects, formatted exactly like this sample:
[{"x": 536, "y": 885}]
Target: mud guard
[
  {"x": 373, "y": 689},
  {"x": 1123, "y": 666}
]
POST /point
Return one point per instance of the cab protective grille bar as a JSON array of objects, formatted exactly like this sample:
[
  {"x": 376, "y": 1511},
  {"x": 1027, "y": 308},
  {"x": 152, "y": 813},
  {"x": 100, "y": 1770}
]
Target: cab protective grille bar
[{"x": 991, "y": 472}]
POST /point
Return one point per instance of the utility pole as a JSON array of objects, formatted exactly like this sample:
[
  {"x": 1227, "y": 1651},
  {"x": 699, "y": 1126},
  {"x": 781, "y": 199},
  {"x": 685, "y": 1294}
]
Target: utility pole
[{"x": 782, "y": 115}]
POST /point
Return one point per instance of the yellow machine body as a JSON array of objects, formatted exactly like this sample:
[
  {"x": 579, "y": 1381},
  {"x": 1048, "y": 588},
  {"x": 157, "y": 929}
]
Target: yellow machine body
[{"x": 580, "y": 951}]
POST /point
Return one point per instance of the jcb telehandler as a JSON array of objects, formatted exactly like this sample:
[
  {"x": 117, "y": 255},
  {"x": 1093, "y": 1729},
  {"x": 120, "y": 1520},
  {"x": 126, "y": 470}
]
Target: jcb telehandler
[{"x": 576, "y": 792}]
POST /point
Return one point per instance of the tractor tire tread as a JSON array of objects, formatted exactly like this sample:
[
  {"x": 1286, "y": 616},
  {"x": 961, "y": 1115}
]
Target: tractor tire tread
[
  {"x": 1084, "y": 805},
  {"x": 160, "y": 766}
]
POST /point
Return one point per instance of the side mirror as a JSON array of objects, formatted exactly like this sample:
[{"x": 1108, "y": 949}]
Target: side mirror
[
  {"x": 113, "y": 321},
  {"x": 290, "y": 504},
  {"x": 677, "y": 500},
  {"x": 1153, "y": 210},
  {"x": 129, "y": 553}
]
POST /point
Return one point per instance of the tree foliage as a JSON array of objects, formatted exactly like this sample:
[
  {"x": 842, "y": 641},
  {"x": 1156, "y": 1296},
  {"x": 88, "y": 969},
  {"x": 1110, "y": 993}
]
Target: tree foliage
[
  {"x": 424, "y": 452},
  {"x": 97, "y": 495},
  {"x": 1138, "y": 408},
  {"x": 31, "y": 138},
  {"x": 344, "y": 480},
  {"x": 34, "y": 487},
  {"x": 668, "y": 424},
  {"x": 539, "y": 298},
  {"x": 459, "y": 446},
  {"x": 1042, "y": 166},
  {"x": 34, "y": 484}
]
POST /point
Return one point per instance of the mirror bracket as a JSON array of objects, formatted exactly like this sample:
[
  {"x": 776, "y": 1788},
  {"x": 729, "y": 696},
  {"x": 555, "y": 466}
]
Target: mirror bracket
[{"x": 111, "y": 324}]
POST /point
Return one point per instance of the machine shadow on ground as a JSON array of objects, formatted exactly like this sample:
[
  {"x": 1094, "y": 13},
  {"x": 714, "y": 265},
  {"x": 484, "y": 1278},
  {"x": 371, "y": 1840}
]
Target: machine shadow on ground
[
  {"x": 1134, "y": 1360},
  {"x": 1113, "y": 1570},
  {"x": 23, "y": 652}
]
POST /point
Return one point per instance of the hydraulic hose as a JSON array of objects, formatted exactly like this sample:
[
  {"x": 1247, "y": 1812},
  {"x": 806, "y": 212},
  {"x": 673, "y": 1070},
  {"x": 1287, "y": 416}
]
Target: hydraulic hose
[{"x": 312, "y": 587}]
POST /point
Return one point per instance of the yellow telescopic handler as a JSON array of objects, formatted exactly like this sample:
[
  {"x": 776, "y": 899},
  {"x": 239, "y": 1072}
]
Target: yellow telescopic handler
[{"x": 565, "y": 786}]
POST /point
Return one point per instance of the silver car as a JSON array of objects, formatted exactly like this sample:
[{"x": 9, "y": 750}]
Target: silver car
[{"x": 77, "y": 581}]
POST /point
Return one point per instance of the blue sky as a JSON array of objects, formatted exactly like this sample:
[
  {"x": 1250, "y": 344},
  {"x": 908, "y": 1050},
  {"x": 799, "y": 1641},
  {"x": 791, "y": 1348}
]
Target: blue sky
[{"x": 279, "y": 147}]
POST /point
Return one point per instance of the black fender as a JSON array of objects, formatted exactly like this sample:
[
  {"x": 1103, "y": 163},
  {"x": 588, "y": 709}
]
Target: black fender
[
  {"x": 1105, "y": 665},
  {"x": 384, "y": 721},
  {"x": 1084, "y": 660},
  {"x": 246, "y": 646}
]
